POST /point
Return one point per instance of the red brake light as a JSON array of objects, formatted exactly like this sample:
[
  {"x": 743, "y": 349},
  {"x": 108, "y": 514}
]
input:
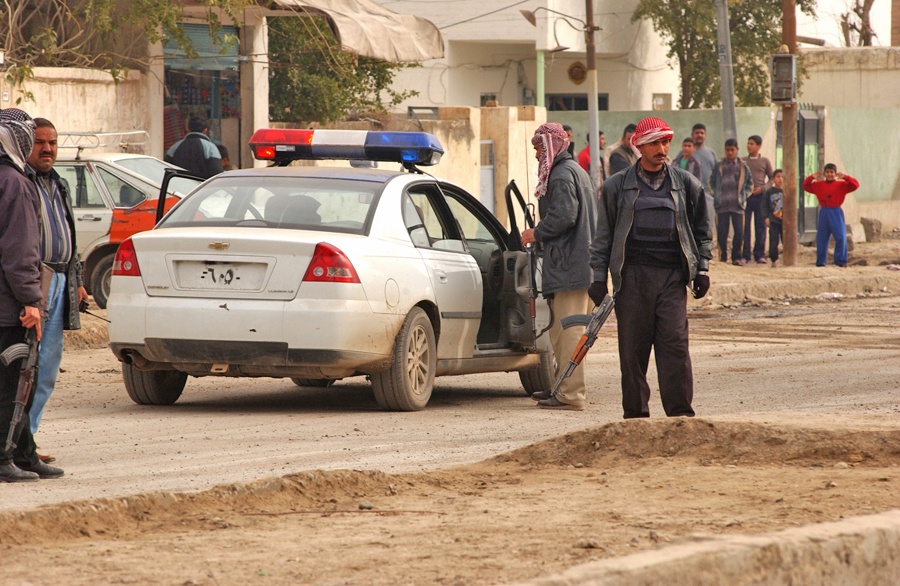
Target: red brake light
[
  {"x": 330, "y": 265},
  {"x": 126, "y": 264}
]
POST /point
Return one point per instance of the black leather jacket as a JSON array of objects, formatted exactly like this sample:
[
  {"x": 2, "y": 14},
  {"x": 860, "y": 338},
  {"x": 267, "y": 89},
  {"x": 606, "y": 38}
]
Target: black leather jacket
[{"x": 615, "y": 217}]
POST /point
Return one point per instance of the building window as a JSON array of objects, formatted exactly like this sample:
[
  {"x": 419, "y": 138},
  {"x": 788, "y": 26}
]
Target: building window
[
  {"x": 574, "y": 102},
  {"x": 662, "y": 101},
  {"x": 489, "y": 101}
]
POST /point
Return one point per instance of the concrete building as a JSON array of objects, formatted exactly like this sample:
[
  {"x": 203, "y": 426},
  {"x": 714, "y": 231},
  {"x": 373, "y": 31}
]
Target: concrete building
[{"x": 494, "y": 56}]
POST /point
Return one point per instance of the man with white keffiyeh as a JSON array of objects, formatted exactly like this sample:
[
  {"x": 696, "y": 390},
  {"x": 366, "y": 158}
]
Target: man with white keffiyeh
[
  {"x": 567, "y": 205},
  {"x": 653, "y": 241},
  {"x": 20, "y": 286}
]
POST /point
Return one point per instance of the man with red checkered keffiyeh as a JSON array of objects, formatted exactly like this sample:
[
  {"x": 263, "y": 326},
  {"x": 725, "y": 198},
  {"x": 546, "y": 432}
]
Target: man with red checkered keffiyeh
[
  {"x": 653, "y": 240},
  {"x": 567, "y": 205}
]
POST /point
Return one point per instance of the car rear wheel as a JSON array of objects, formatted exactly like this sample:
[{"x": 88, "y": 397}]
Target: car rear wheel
[
  {"x": 153, "y": 387},
  {"x": 407, "y": 384},
  {"x": 542, "y": 377},
  {"x": 313, "y": 382},
  {"x": 100, "y": 280}
]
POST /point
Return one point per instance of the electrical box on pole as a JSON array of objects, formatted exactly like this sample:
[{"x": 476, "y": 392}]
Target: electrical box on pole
[{"x": 784, "y": 78}]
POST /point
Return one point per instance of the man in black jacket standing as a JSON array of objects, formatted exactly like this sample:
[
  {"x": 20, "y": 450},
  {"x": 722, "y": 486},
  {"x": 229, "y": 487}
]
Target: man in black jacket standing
[
  {"x": 196, "y": 152},
  {"x": 653, "y": 240},
  {"x": 568, "y": 209},
  {"x": 59, "y": 252}
]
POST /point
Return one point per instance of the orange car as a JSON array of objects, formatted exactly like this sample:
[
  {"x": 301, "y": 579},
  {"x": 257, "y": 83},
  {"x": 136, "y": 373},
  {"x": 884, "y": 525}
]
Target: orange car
[{"x": 114, "y": 196}]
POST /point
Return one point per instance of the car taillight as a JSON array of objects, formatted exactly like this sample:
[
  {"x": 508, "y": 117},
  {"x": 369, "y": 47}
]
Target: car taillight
[
  {"x": 126, "y": 264},
  {"x": 330, "y": 265}
]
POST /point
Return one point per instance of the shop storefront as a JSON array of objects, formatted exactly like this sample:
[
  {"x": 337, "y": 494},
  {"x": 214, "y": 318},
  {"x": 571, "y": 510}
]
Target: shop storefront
[{"x": 207, "y": 86}]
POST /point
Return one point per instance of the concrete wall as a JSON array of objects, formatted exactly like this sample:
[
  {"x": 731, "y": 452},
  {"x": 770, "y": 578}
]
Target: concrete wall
[
  {"x": 511, "y": 130},
  {"x": 86, "y": 100},
  {"x": 852, "y": 77}
]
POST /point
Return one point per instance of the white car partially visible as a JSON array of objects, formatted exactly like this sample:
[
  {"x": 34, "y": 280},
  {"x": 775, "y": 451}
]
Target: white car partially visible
[{"x": 318, "y": 274}]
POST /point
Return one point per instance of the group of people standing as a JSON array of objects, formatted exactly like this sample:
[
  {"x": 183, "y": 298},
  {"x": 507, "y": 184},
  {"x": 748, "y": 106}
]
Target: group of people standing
[
  {"x": 37, "y": 228},
  {"x": 648, "y": 230},
  {"x": 648, "y": 233}
]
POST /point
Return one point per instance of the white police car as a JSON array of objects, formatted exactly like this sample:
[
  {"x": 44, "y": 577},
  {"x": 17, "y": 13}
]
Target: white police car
[{"x": 322, "y": 273}]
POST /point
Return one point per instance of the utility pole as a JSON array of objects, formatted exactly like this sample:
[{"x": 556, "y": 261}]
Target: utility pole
[
  {"x": 593, "y": 104},
  {"x": 726, "y": 76},
  {"x": 789, "y": 143}
]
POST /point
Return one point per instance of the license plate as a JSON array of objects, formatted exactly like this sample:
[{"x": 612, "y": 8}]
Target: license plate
[{"x": 220, "y": 276}]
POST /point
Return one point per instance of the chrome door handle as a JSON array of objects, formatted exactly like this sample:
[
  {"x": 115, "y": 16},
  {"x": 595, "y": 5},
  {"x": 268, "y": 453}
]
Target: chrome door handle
[{"x": 89, "y": 219}]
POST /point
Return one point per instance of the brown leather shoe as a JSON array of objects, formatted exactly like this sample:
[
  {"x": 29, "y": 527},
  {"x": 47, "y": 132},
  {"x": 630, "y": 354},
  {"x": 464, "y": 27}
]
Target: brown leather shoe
[
  {"x": 46, "y": 458},
  {"x": 541, "y": 395},
  {"x": 554, "y": 403}
]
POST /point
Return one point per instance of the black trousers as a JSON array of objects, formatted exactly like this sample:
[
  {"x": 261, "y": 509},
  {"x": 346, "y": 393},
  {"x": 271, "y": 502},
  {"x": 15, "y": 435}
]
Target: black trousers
[
  {"x": 724, "y": 221},
  {"x": 755, "y": 210},
  {"x": 651, "y": 312},
  {"x": 25, "y": 450},
  {"x": 774, "y": 239}
]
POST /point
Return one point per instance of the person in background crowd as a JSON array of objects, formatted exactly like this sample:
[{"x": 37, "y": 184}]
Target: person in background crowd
[
  {"x": 707, "y": 159},
  {"x": 773, "y": 202},
  {"x": 830, "y": 188},
  {"x": 20, "y": 289},
  {"x": 761, "y": 173},
  {"x": 624, "y": 155},
  {"x": 59, "y": 251},
  {"x": 567, "y": 204},
  {"x": 571, "y": 149},
  {"x": 196, "y": 152},
  {"x": 686, "y": 161},
  {"x": 584, "y": 157},
  {"x": 226, "y": 162},
  {"x": 653, "y": 242},
  {"x": 730, "y": 184}
]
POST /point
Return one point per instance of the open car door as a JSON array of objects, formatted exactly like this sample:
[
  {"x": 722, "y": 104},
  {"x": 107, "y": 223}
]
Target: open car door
[
  {"x": 168, "y": 176},
  {"x": 527, "y": 315}
]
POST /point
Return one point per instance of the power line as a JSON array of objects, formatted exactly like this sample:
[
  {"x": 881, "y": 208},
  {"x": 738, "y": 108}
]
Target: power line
[{"x": 485, "y": 14}]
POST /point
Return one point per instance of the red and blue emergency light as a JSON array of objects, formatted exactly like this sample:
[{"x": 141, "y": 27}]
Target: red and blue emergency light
[{"x": 285, "y": 145}]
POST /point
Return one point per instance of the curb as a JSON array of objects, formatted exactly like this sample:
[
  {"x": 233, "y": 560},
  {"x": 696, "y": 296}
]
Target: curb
[{"x": 858, "y": 551}]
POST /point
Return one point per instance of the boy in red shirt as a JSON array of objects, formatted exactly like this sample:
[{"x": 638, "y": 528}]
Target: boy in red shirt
[{"x": 831, "y": 193}]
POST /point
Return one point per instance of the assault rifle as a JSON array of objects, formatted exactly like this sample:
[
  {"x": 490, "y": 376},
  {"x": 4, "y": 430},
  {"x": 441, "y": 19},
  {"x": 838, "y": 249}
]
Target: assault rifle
[
  {"x": 592, "y": 324},
  {"x": 29, "y": 351}
]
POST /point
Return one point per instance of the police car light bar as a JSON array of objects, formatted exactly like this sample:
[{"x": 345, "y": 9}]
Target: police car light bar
[{"x": 285, "y": 145}]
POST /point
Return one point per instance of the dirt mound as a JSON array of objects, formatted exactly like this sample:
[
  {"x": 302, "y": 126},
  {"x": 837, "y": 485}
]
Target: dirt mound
[
  {"x": 616, "y": 446},
  {"x": 92, "y": 335},
  {"x": 708, "y": 442}
]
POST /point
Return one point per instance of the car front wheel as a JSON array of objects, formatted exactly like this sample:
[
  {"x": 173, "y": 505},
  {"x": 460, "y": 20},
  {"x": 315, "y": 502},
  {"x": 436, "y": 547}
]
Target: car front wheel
[
  {"x": 100, "y": 280},
  {"x": 407, "y": 384},
  {"x": 153, "y": 387}
]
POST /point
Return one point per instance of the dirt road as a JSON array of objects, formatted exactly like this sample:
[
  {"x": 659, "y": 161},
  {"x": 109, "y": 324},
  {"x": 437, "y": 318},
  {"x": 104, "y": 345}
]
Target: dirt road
[{"x": 799, "y": 422}]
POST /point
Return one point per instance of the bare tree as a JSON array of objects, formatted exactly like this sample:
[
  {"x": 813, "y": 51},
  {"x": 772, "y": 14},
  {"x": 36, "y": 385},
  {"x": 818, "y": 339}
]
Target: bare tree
[{"x": 856, "y": 24}]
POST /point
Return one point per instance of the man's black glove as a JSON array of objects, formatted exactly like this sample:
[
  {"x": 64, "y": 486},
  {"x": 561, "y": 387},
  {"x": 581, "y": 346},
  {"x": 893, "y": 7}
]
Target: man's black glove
[
  {"x": 597, "y": 291},
  {"x": 701, "y": 286}
]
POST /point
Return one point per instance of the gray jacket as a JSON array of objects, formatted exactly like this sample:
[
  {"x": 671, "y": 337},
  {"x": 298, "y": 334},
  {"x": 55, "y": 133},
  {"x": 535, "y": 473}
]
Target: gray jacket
[
  {"x": 616, "y": 216},
  {"x": 20, "y": 244},
  {"x": 568, "y": 215}
]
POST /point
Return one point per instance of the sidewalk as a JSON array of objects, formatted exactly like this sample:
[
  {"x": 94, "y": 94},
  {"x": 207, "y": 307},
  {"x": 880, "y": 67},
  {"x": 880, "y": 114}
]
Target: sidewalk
[{"x": 760, "y": 283}]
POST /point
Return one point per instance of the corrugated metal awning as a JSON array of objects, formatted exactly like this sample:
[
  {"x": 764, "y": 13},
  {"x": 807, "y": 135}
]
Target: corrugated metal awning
[{"x": 365, "y": 28}]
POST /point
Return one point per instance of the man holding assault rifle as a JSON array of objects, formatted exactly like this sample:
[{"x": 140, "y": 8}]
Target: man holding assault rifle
[{"x": 20, "y": 299}]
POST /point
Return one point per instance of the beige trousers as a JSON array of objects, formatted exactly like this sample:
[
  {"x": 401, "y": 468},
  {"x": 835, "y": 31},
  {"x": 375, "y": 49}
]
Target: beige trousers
[{"x": 565, "y": 303}]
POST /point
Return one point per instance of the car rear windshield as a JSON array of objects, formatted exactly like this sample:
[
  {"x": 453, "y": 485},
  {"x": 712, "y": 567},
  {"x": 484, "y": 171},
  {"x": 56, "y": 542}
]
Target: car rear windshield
[{"x": 299, "y": 203}]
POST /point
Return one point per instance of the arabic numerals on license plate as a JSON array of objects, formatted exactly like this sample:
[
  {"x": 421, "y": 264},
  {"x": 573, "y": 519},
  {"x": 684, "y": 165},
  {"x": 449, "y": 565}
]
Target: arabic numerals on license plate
[{"x": 219, "y": 275}]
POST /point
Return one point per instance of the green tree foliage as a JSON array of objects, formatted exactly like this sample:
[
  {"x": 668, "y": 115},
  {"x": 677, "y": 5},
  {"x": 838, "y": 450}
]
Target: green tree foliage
[
  {"x": 689, "y": 26},
  {"x": 312, "y": 79}
]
